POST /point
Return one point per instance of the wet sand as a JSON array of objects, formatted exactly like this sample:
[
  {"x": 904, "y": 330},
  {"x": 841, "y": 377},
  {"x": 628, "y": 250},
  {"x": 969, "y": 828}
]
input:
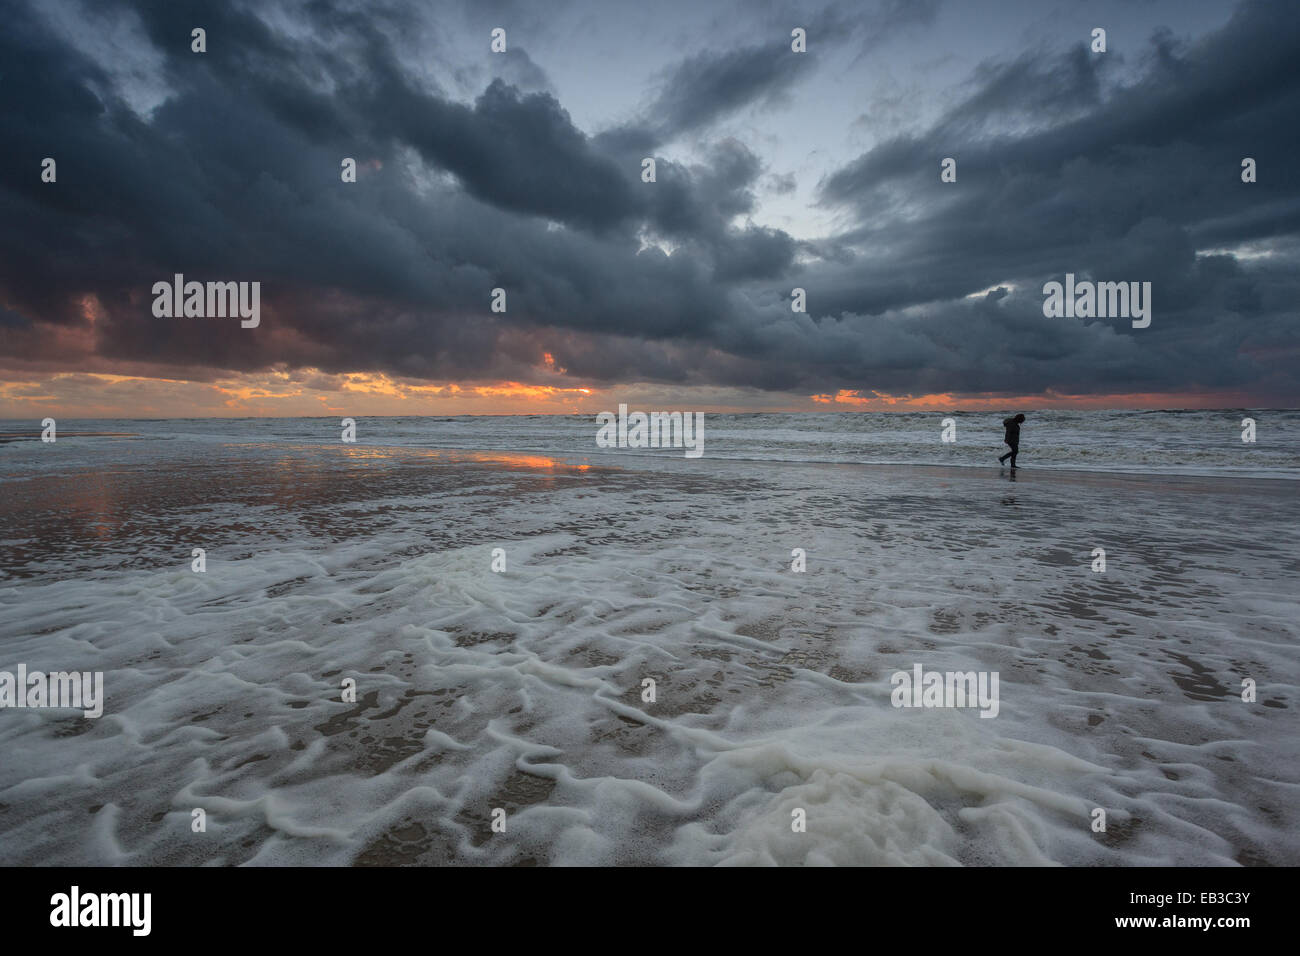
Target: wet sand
[{"x": 523, "y": 690}]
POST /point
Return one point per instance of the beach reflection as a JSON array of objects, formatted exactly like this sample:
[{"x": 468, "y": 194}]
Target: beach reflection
[{"x": 248, "y": 496}]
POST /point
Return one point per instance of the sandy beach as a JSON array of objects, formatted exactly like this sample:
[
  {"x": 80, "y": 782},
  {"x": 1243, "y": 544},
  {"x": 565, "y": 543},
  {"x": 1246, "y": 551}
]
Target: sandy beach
[{"x": 522, "y": 690}]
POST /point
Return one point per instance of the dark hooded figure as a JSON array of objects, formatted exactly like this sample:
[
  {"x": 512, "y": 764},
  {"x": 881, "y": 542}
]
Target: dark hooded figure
[{"x": 1012, "y": 438}]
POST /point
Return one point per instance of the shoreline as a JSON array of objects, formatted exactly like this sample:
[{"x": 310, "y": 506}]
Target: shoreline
[
  {"x": 542, "y": 459},
  {"x": 1086, "y": 476},
  {"x": 536, "y": 459}
]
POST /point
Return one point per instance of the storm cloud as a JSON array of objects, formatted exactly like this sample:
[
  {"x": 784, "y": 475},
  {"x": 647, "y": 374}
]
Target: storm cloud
[{"x": 474, "y": 174}]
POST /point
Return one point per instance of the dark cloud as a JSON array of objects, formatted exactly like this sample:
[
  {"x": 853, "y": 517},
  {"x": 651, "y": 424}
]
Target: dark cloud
[
  {"x": 782, "y": 183},
  {"x": 711, "y": 84},
  {"x": 1067, "y": 161},
  {"x": 517, "y": 68},
  {"x": 1055, "y": 176},
  {"x": 871, "y": 26}
]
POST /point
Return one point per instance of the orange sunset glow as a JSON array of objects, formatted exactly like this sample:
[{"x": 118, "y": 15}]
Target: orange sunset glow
[{"x": 308, "y": 392}]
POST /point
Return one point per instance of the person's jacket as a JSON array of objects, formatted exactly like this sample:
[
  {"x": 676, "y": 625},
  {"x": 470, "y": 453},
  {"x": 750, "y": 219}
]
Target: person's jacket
[{"x": 1013, "y": 431}]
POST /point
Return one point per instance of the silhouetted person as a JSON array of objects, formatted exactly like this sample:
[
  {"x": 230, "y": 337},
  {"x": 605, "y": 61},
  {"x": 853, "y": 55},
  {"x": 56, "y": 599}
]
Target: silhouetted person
[{"x": 1012, "y": 438}]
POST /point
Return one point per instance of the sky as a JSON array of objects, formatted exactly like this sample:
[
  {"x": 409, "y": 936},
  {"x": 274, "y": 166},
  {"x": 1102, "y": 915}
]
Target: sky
[{"x": 522, "y": 171}]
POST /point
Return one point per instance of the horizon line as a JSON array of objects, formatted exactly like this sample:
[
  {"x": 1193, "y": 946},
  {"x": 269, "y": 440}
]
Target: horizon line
[{"x": 911, "y": 411}]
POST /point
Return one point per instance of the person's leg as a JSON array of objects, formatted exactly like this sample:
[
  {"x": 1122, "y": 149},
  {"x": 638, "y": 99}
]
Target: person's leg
[
  {"x": 1014, "y": 449},
  {"x": 1003, "y": 458}
]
